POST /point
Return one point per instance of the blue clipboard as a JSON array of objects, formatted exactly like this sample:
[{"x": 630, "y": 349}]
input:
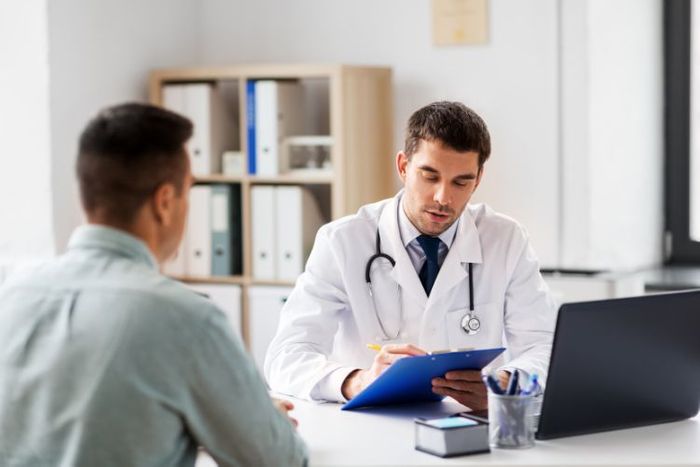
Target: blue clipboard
[{"x": 409, "y": 379}]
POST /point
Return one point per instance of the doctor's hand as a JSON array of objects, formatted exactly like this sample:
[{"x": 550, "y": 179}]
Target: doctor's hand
[
  {"x": 284, "y": 407},
  {"x": 360, "y": 379},
  {"x": 466, "y": 387}
]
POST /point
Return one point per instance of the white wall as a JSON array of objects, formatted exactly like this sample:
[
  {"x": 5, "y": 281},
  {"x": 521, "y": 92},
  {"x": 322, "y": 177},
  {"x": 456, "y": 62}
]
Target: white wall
[
  {"x": 511, "y": 81},
  {"x": 25, "y": 190},
  {"x": 100, "y": 54},
  {"x": 571, "y": 91}
]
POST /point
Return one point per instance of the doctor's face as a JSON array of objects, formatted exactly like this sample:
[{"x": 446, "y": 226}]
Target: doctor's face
[{"x": 438, "y": 183}]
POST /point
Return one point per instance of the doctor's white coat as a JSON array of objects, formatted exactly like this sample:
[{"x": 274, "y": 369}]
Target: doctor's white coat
[{"x": 330, "y": 316}]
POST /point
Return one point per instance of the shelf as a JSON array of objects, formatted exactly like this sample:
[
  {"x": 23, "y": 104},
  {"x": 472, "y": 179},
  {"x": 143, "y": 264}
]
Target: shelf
[
  {"x": 257, "y": 71},
  {"x": 294, "y": 179},
  {"x": 238, "y": 280},
  {"x": 307, "y": 178},
  {"x": 272, "y": 283},
  {"x": 219, "y": 178}
]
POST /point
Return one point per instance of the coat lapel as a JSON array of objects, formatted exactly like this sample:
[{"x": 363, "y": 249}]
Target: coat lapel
[{"x": 403, "y": 272}]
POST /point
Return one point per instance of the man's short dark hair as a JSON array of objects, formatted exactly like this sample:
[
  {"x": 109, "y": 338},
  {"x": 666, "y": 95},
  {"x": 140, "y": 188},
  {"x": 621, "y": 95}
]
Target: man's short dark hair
[
  {"x": 451, "y": 123},
  {"x": 125, "y": 153}
]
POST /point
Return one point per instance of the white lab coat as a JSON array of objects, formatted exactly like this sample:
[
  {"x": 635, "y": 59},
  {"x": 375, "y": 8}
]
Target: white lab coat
[{"x": 329, "y": 317}]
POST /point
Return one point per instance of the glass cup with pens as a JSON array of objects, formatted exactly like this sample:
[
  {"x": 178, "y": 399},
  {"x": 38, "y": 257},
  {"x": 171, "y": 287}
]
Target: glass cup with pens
[{"x": 512, "y": 411}]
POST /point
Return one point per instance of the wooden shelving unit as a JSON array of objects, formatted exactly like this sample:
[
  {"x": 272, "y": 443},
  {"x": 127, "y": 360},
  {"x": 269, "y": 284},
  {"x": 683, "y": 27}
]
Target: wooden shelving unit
[
  {"x": 358, "y": 106},
  {"x": 360, "y": 124}
]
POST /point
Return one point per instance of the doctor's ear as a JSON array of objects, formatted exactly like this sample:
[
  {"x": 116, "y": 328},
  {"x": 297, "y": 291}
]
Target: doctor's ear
[
  {"x": 402, "y": 160},
  {"x": 478, "y": 177}
]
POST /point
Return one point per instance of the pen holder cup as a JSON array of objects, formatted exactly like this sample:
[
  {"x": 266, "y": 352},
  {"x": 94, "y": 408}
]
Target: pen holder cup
[{"x": 511, "y": 421}]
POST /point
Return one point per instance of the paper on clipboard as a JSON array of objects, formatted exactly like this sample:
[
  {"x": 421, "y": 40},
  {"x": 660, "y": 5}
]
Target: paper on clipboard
[{"x": 409, "y": 379}]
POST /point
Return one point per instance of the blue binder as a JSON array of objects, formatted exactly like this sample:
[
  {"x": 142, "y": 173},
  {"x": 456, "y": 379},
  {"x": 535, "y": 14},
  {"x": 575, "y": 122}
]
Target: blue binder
[
  {"x": 409, "y": 379},
  {"x": 250, "y": 125},
  {"x": 226, "y": 257}
]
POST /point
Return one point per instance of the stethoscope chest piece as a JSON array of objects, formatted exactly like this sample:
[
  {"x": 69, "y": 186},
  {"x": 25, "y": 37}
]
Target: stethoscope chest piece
[{"x": 470, "y": 324}]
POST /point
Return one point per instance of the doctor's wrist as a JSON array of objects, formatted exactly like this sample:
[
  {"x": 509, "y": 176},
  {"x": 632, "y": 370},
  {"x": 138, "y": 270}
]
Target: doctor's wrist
[{"x": 352, "y": 384}]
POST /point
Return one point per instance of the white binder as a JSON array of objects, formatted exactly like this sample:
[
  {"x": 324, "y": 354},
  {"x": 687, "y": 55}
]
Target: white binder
[
  {"x": 278, "y": 113},
  {"x": 263, "y": 214},
  {"x": 265, "y": 304},
  {"x": 298, "y": 219},
  {"x": 213, "y": 131},
  {"x": 198, "y": 248}
]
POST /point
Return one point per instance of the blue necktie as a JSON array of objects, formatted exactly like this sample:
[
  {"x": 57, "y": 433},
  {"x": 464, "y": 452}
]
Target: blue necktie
[{"x": 429, "y": 271}]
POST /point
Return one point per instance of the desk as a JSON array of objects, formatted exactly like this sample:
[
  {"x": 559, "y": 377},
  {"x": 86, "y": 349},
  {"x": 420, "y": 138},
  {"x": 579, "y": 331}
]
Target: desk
[{"x": 385, "y": 437}]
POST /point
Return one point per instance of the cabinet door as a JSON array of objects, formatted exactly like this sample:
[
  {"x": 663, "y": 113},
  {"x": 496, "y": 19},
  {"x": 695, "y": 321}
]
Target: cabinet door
[
  {"x": 265, "y": 304},
  {"x": 227, "y": 298}
]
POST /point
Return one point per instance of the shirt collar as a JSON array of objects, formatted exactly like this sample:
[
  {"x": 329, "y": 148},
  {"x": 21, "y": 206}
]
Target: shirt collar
[
  {"x": 409, "y": 232},
  {"x": 94, "y": 236}
]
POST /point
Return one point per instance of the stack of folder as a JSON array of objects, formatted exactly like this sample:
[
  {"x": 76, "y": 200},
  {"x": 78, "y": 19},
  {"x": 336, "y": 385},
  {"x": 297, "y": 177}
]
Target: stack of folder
[
  {"x": 274, "y": 111},
  {"x": 214, "y": 128},
  {"x": 285, "y": 220},
  {"x": 212, "y": 242}
]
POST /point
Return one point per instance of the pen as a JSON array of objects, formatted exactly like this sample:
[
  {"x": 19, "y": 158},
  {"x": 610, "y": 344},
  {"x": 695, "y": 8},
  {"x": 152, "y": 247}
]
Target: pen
[
  {"x": 532, "y": 387},
  {"x": 492, "y": 384},
  {"x": 375, "y": 347},
  {"x": 513, "y": 383}
]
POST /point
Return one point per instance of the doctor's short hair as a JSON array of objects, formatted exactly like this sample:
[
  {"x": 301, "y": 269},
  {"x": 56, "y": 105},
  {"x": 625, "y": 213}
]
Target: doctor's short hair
[
  {"x": 125, "y": 153},
  {"x": 453, "y": 124}
]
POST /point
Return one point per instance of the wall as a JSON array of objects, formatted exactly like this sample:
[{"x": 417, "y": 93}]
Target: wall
[
  {"x": 570, "y": 89},
  {"x": 26, "y": 229},
  {"x": 571, "y": 97},
  {"x": 100, "y": 54},
  {"x": 511, "y": 81}
]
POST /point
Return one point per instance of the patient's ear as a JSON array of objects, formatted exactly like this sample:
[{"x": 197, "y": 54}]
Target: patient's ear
[{"x": 163, "y": 204}]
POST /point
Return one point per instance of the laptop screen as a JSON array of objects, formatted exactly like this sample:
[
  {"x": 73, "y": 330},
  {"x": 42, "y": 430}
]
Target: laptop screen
[{"x": 621, "y": 363}]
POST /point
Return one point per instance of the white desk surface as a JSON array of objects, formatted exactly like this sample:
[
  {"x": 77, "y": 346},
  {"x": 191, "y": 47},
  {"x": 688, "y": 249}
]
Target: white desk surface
[{"x": 385, "y": 437}]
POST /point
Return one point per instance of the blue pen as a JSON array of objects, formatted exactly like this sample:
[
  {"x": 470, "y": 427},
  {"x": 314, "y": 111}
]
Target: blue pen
[
  {"x": 513, "y": 383},
  {"x": 532, "y": 387},
  {"x": 491, "y": 383}
]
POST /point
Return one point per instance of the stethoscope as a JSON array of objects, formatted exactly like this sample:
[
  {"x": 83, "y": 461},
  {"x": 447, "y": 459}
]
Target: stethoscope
[{"x": 470, "y": 323}]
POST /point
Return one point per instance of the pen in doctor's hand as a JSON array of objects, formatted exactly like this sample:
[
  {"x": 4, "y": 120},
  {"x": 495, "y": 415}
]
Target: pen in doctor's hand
[
  {"x": 375, "y": 347},
  {"x": 359, "y": 379}
]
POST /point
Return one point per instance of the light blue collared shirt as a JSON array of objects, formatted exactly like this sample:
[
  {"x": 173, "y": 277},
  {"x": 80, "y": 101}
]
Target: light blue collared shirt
[
  {"x": 409, "y": 236},
  {"x": 105, "y": 362}
]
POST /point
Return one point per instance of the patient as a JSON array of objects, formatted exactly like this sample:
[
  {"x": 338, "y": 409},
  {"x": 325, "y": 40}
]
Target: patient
[{"x": 103, "y": 361}]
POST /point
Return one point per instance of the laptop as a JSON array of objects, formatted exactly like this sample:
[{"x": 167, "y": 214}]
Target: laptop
[{"x": 623, "y": 363}]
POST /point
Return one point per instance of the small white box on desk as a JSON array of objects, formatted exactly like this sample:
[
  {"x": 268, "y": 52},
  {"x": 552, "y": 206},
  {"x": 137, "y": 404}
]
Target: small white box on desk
[{"x": 451, "y": 436}]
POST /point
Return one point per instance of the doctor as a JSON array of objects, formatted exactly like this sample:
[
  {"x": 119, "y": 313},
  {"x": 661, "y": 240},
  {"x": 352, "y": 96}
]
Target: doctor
[{"x": 422, "y": 270}]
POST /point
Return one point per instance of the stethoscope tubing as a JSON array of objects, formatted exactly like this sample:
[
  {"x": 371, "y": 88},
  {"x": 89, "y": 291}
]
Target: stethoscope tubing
[{"x": 368, "y": 279}]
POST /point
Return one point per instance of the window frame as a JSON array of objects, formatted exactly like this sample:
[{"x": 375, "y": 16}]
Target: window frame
[{"x": 679, "y": 247}]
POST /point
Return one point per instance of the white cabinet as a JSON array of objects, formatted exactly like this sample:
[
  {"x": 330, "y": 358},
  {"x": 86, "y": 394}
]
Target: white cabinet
[
  {"x": 227, "y": 298},
  {"x": 579, "y": 287},
  {"x": 264, "y": 306}
]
